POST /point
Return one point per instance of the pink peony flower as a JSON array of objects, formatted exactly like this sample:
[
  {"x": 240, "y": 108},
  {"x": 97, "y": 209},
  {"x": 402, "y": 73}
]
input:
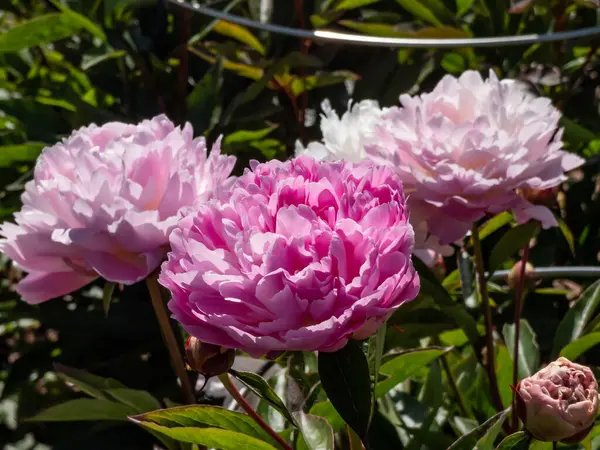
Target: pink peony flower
[
  {"x": 464, "y": 149},
  {"x": 560, "y": 402},
  {"x": 103, "y": 201},
  {"x": 300, "y": 255}
]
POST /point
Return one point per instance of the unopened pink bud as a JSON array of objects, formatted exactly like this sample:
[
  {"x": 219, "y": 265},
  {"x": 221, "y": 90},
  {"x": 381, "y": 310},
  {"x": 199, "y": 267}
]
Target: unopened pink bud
[{"x": 559, "y": 403}]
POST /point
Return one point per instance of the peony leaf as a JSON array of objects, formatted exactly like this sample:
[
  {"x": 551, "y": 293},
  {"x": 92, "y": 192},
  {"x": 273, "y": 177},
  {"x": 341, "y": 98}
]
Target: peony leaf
[
  {"x": 404, "y": 365},
  {"x": 345, "y": 378},
  {"x": 37, "y": 31},
  {"x": 317, "y": 433},
  {"x": 352, "y": 4},
  {"x": 571, "y": 327},
  {"x": 184, "y": 420},
  {"x": 510, "y": 243},
  {"x": 577, "y": 348},
  {"x": 432, "y": 11},
  {"x": 210, "y": 437},
  {"x": 516, "y": 441},
  {"x": 83, "y": 409},
  {"x": 329, "y": 413},
  {"x": 92, "y": 385},
  {"x": 11, "y": 154},
  {"x": 529, "y": 353},
  {"x": 260, "y": 387},
  {"x": 481, "y": 437},
  {"x": 141, "y": 401},
  {"x": 107, "y": 295},
  {"x": 239, "y": 33}
]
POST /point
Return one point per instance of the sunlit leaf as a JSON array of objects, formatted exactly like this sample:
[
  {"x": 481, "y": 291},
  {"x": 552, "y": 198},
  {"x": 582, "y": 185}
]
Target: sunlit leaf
[{"x": 571, "y": 327}]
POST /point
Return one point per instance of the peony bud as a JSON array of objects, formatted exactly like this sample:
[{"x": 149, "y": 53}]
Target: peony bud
[
  {"x": 515, "y": 275},
  {"x": 545, "y": 197},
  {"x": 208, "y": 359},
  {"x": 559, "y": 403}
]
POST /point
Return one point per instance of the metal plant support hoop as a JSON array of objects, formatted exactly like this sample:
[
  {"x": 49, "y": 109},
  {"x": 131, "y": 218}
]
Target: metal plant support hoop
[{"x": 336, "y": 37}]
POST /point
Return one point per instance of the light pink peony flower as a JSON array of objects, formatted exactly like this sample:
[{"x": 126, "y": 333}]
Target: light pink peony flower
[
  {"x": 103, "y": 201},
  {"x": 464, "y": 149},
  {"x": 301, "y": 255},
  {"x": 345, "y": 139},
  {"x": 560, "y": 402}
]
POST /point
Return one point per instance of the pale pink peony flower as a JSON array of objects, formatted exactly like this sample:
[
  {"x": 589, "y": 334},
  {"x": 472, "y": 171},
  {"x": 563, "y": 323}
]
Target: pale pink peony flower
[
  {"x": 560, "y": 402},
  {"x": 345, "y": 139},
  {"x": 103, "y": 201},
  {"x": 464, "y": 149},
  {"x": 301, "y": 255}
]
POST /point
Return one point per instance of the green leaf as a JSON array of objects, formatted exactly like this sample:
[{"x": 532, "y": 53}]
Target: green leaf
[
  {"x": 211, "y": 437},
  {"x": 329, "y": 413},
  {"x": 239, "y": 33},
  {"x": 353, "y": 4},
  {"x": 141, "y": 401},
  {"x": 494, "y": 224},
  {"x": 516, "y": 441},
  {"x": 81, "y": 20},
  {"x": 510, "y": 243},
  {"x": 463, "y": 6},
  {"x": 10, "y": 154},
  {"x": 567, "y": 234},
  {"x": 260, "y": 387},
  {"x": 83, "y": 409},
  {"x": 571, "y": 327},
  {"x": 575, "y": 349},
  {"x": 529, "y": 354},
  {"x": 376, "y": 29},
  {"x": 576, "y": 135},
  {"x": 479, "y": 436},
  {"x": 92, "y": 385},
  {"x": 89, "y": 62},
  {"x": 432, "y": 11},
  {"x": 345, "y": 378},
  {"x": 109, "y": 288},
  {"x": 202, "y": 105},
  {"x": 243, "y": 136},
  {"x": 37, "y": 31},
  {"x": 317, "y": 433},
  {"x": 203, "y": 416},
  {"x": 405, "y": 365}
]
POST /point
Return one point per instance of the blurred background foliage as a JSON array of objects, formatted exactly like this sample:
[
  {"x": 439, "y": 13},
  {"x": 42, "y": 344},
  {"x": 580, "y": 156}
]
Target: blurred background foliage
[{"x": 67, "y": 63}]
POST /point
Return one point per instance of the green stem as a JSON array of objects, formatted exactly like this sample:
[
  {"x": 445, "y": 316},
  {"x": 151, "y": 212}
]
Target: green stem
[
  {"x": 519, "y": 292},
  {"x": 170, "y": 339},
  {"x": 454, "y": 386},
  {"x": 487, "y": 316},
  {"x": 226, "y": 380}
]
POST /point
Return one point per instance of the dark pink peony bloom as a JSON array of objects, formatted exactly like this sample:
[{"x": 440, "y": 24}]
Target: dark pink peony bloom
[{"x": 300, "y": 255}]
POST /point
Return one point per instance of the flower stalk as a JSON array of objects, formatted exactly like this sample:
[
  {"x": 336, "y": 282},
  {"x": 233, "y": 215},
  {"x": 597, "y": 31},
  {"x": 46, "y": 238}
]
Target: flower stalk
[
  {"x": 519, "y": 293},
  {"x": 169, "y": 338},
  {"x": 239, "y": 398},
  {"x": 487, "y": 315}
]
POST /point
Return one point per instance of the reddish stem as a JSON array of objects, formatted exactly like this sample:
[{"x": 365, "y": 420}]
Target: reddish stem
[{"x": 239, "y": 398}]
